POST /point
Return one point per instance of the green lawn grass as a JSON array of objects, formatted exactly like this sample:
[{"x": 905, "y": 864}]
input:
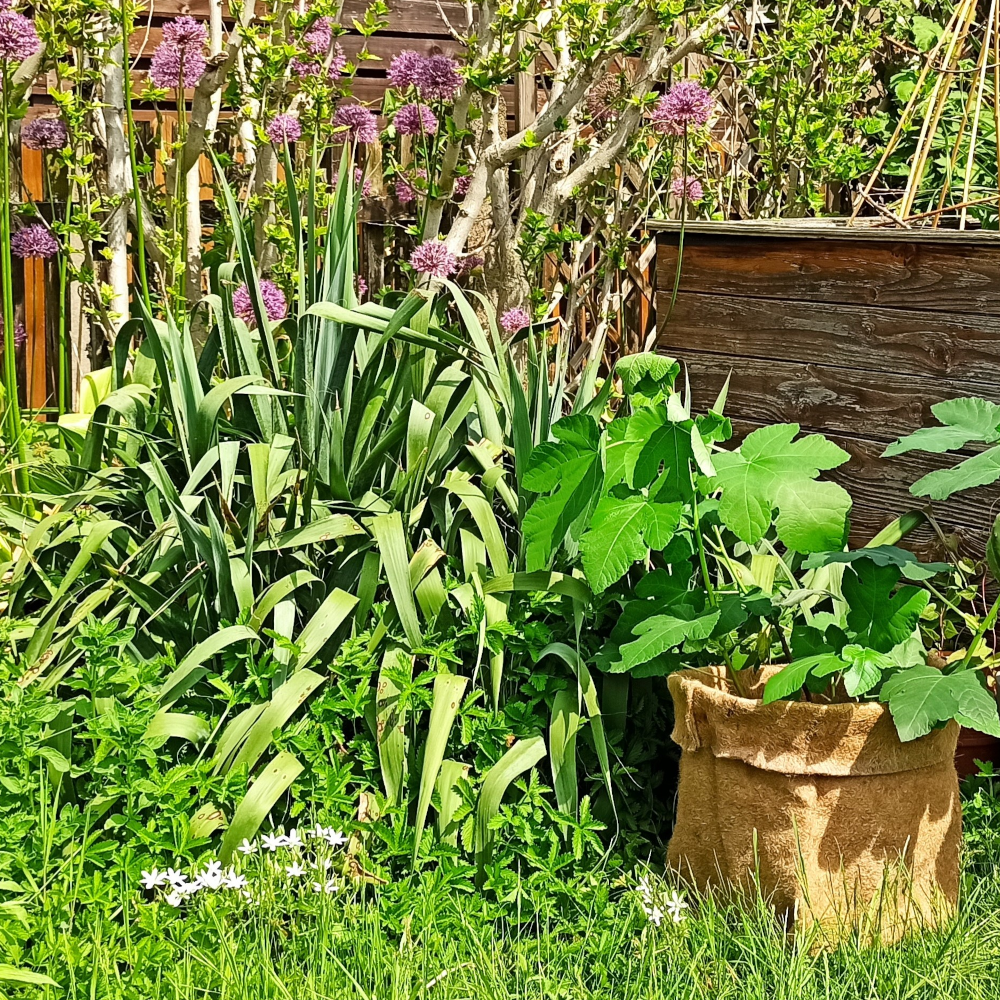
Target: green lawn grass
[{"x": 435, "y": 937}]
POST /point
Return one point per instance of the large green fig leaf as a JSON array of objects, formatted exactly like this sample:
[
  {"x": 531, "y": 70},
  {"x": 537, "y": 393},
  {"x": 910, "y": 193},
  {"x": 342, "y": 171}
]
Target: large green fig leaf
[
  {"x": 963, "y": 420},
  {"x": 878, "y": 618},
  {"x": 920, "y": 697},
  {"x": 772, "y": 471},
  {"x": 571, "y": 469},
  {"x": 622, "y": 531}
]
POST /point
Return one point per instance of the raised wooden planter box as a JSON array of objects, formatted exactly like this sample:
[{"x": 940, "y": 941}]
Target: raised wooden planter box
[{"x": 853, "y": 332}]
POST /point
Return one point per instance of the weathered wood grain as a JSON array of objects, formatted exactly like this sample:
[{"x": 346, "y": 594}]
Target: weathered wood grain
[
  {"x": 907, "y": 275},
  {"x": 420, "y": 17},
  {"x": 385, "y": 46},
  {"x": 951, "y": 346},
  {"x": 829, "y": 229},
  {"x": 877, "y": 405}
]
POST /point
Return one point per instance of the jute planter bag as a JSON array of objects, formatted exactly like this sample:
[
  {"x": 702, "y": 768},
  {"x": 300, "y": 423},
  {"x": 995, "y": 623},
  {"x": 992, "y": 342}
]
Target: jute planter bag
[{"x": 840, "y": 823}]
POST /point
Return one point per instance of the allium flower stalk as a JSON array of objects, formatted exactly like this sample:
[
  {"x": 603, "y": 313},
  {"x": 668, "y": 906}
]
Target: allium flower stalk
[
  {"x": 275, "y": 306},
  {"x": 515, "y": 319},
  {"x": 179, "y": 58},
  {"x": 361, "y": 124},
  {"x": 686, "y": 103},
  {"x": 34, "y": 242},
  {"x": 284, "y": 129},
  {"x": 413, "y": 119},
  {"x": 18, "y": 38},
  {"x": 402, "y": 72},
  {"x": 689, "y": 186},
  {"x": 45, "y": 133},
  {"x": 433, "y": 258}
]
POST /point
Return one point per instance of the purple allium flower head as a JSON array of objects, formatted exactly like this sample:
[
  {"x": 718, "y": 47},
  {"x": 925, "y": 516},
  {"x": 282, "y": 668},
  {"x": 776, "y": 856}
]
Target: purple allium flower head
[
  {"x": 462, "y": 183},
  {"x": 412, "y": 119},
  {"x": 338, "y": 62},
  {"x": 185, "y": 31},
  {"x": 317, "y": 39},
  {"x": 515, "y": 319},
  {"x": 34, "y": 241},
  {"x": 362, "y": 125},
  {"x": 403, "y": 69},
  {"x": 691, "y": 185},
  {"x": 469, "y": 264},
  {"x": 172, "y": 63},
  {"x": 20, "y": 335},
  {"x": 686, "y": 103},
  {"x": 434, "y": 258},
  {"x": 18, "y": 38},
  {"x": 179, "y": 57},
  {"x": 284, "y": 128},
  {"x": 437, "y": 78},
  {"x": 362, "y": 287},
  {"x": 45, "y": 133},
  {"x": 305, "y": 67},
  {"x": 362, "y": 182},
  {"x": 405, "y": 192},
  {"x": 274, "y": 302}
]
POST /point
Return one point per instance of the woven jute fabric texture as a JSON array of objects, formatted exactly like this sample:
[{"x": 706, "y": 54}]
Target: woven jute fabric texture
[{"x": 841, "y": 825}]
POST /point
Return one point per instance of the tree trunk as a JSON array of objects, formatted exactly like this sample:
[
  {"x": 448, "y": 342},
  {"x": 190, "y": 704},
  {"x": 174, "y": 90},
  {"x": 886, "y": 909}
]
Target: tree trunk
[{"x": 113, "y": 86}]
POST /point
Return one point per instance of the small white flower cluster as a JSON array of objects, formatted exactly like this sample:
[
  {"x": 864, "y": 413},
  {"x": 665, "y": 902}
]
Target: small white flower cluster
[
  {"x": 656, "y": 904},
  {"x": 182, "y": 886},
  {"x": 179, "y": 886}
]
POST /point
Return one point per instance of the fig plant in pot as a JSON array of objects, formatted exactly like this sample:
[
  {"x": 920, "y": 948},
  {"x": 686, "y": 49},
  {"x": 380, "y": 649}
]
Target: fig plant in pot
[
  {"x": 816, "y": 742},
  {"x": 964, "y": 422}
]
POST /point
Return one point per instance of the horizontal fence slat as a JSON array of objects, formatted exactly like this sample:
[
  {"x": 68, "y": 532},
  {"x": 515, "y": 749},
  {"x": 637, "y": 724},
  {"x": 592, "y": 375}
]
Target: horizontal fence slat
[
  {"x": 144, "y": 42},
  {"x": 877, "y": 405},
  {"x": 942, "y": 278},
  {"x": 420, "y": 17},
  {"x": 904, "y": 341}
]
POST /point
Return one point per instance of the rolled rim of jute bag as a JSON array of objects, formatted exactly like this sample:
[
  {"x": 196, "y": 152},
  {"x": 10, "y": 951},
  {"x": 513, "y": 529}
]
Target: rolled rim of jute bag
[{"x": 796, "y": 737}]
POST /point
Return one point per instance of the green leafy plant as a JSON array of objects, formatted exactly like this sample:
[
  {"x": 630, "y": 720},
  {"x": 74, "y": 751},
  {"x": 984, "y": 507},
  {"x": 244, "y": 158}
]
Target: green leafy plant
[{"x": 735, "y": 555}]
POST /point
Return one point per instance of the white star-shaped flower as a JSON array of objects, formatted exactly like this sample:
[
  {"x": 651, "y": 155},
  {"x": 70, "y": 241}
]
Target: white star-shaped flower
[
  {"x": 335, "y": 838},
  {"x": 234, "y": 881},
  {"x": 272, "y": 841},
  {"x": 331, "y": 886},
  {"x": 153, "y": 879},
  {"x": 212, "y": 878},
  {"x": 248, "y": 847},
  {"x": 295, "y": 870},
  {"x": 176, "y": 878},
  {"x": 175, "y": 899},
  {"x": 676, "y": 905},
  {"x": 293, "y": 839}
]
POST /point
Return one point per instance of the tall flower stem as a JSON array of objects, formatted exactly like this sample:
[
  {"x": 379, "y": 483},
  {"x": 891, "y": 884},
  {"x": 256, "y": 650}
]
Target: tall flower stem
[
  {"x": 12, "y": 411},
  {"x": 140, "y": 242}
]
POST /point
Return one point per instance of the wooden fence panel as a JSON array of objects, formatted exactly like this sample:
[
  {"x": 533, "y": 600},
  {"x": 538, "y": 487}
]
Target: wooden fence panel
[{"x": 852, "y": 333}]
